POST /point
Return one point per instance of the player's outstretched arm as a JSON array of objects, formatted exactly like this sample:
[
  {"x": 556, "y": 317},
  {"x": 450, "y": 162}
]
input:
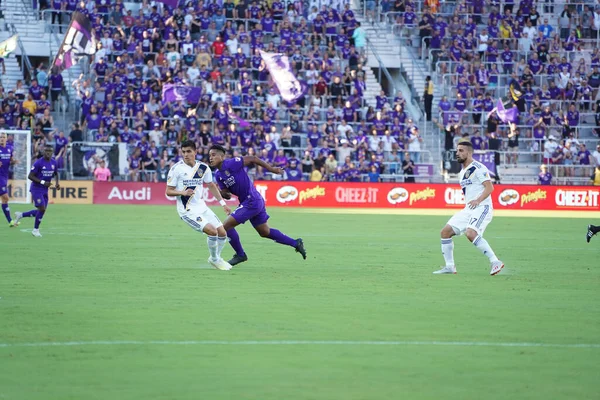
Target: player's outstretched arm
[
  {"x": 214, "y": 190},
  {"x": 249, "y": 160}
]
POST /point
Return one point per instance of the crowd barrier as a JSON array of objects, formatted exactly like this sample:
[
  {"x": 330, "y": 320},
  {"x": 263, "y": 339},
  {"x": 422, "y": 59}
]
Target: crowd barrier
[{"x": 371, "y": 195}]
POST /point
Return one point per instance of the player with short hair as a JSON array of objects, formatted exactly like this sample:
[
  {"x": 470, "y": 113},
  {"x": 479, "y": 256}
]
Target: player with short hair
[
  {"x": 473, "y": 219},
  {"x": 233, "y": 179},
  {"x": 591, "y": 231},
  {"x": 6, "y": 160},
  {"x": 41, "y": 179},
  {"x": 185, "y": 181}
]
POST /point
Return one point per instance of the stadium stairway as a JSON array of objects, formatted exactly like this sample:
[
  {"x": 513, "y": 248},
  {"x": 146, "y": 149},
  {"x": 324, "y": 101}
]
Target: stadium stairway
[
  {"x": 13, "y": 69},
  {"x": 33, "y": 32},
  {"x": 394, "y": 54}
]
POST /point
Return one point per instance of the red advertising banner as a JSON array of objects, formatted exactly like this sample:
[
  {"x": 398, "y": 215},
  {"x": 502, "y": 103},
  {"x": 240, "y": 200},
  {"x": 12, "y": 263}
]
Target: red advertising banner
[{"x": 373, "y": 195}]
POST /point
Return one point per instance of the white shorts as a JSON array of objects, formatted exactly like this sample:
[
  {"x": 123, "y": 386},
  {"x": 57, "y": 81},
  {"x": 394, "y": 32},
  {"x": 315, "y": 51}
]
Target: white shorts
[
  {"x": 477, "y": 219},
  {"x": 198, "y": 220}
]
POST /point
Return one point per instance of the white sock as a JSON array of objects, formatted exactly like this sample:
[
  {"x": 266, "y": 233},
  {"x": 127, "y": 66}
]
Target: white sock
[
  {"x": 485, "y": 248},
  {"x": 221, "y": 242},
  {"x": 448, "y": 252},
  {"x": 213, "y": 247}
]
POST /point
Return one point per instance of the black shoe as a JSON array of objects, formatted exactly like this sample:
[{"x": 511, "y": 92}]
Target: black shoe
[
  {"x": 589, "y": 235},
  {"x": 299, "y": 248},
  {"x": 238, "y": 259}
]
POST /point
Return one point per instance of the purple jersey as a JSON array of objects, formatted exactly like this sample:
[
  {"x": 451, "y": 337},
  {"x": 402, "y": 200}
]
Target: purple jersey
[
  {"x": 6, "y": 154},
  {"x": 44, "y": 170},
  {"x": 232, "y": 176}
]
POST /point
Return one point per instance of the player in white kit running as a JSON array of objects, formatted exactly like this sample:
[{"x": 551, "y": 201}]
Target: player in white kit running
[
  {"x": 474, "y": 218},
  {"x": 185, "y": 181}
]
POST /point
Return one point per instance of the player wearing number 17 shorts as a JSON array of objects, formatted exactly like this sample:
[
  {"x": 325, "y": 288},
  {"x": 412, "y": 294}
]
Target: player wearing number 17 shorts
[{"x": 474, "y": 218}]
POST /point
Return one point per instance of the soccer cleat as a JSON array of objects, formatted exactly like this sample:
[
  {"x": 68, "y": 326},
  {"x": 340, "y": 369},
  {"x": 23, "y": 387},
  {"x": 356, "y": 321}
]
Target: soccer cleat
[
  {"x": 445, "y": 270},
  {"x": 496, "y": 267},
  {"x": 18, "y": 216},
  {"x": 36, "y": 233},
  {"x": 300, "y": 248},
  {"x": 589, "y": 235},
  {"x": 219, "y": 264},
  {"x": 238, "y": 259},
  {"x": 12, "y": 224}
]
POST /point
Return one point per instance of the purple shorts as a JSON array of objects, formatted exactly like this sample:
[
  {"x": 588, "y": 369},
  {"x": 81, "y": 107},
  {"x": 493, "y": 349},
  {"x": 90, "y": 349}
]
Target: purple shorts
[
  {"x": 251, "y": 211},
  {"x": 40, "y": 198},
  {"x": 3, "y": 186}
]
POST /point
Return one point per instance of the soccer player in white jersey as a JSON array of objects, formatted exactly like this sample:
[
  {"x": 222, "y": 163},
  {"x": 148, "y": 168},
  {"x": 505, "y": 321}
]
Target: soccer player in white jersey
[
  {"x": 477, "y": 214},
  {"x": 185, "y": 181}
]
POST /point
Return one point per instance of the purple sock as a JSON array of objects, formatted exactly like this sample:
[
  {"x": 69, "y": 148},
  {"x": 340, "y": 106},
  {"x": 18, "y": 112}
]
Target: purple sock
[
  {"x": 30, "y": 213},
  {"x": 281, "y": 238},
  {"x": 38, "y": 219},
  {"x": 235, "y": 242},
  {"x": 6, "y": 212}
]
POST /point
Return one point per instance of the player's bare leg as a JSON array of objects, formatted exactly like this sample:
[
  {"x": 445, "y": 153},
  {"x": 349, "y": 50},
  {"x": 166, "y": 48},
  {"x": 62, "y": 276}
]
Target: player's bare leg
[
  {"x": 447, "y": 251},
  {"x": 234, "y": 240},
  {"x": 483, "y": 246},
  {"x": 212, "y": 240},
  {"x": 274, "y": 234},
  {"x": 6, "y": 210}
]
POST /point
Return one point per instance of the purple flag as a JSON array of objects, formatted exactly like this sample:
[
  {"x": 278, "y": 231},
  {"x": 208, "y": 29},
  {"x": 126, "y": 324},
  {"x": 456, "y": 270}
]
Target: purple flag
[
  {"x": 171, "y": 92},
  {"x": 510, "y": 115},
  {"x": 452, "y": 117},
  {"x": 170, "y": 3},
  {"x": 486, "y": 158},
  {"x": 289, "y": 86},
  {"x": 233, "y": 116},
  {"x": 78, "y": 42}
]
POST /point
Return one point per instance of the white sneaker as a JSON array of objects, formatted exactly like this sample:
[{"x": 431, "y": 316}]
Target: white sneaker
[
  {"x": 36, "y": 233},
  {"x": 496, "y": 267},
  {"x": 446, "y": 270},
  {"x": 18, "y": 216},
  {"x": 220, "y": 264}
]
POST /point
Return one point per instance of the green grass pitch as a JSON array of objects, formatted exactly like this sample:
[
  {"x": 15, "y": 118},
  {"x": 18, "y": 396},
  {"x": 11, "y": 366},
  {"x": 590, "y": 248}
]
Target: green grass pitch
[{"x": 293, "y": 329}]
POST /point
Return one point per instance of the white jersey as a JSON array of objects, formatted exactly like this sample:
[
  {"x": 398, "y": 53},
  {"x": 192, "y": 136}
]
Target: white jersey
[
  {"x": 182, "y": 177},
  {"x": 471, "y": 181}
]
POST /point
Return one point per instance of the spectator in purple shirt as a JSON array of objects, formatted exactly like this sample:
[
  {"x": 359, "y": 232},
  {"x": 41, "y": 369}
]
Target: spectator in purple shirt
[
  {"x": 584, "y": 155},
  {"x": 544, "y": 177}
]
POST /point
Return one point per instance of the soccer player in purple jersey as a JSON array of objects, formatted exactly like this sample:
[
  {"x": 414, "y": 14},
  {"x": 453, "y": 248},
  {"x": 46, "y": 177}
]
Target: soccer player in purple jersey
[
  {"x": 41, "y": 179},
  {"x": 591, "y": 231},
  {"x": 6, "y": 160},
  {"x": 233, "y": 179}
]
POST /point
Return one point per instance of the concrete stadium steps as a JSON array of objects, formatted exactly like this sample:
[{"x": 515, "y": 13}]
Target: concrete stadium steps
[
  {"x": 394, "y": 54},
  {"x": 13, "y": 69},
  {"x": 22, "y": 15},
  {"x": 373, "y": 86},
  {"x": 524, "y": 173}
]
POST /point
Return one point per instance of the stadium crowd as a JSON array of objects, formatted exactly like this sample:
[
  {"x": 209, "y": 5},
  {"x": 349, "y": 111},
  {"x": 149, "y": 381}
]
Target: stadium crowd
[
  {"x": 329, "y": 134},
  {"x": 475, "y": 49}
]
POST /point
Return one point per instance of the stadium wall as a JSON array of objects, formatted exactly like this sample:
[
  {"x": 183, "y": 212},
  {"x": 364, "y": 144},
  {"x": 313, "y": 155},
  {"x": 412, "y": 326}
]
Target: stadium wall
[{"x": 364, "y": 195}]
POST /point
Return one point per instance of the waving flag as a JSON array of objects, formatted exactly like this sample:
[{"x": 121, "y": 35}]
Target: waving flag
[
  {"x": 171, "y": 93},
  {"x": 510, "y": 115},
  {"x": 289, "y": 86},
  {"x": 8, "y": 46},
  {"x": 78, "y": 43},
  {"x": 233, "y": 116}
]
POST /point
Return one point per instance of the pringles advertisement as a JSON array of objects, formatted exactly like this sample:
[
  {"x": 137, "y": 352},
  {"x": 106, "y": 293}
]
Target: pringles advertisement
[{"x": 373, "y": 195}]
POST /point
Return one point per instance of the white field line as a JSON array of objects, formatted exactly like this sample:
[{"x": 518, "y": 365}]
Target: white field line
[{"x": 299, "y": 343}]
